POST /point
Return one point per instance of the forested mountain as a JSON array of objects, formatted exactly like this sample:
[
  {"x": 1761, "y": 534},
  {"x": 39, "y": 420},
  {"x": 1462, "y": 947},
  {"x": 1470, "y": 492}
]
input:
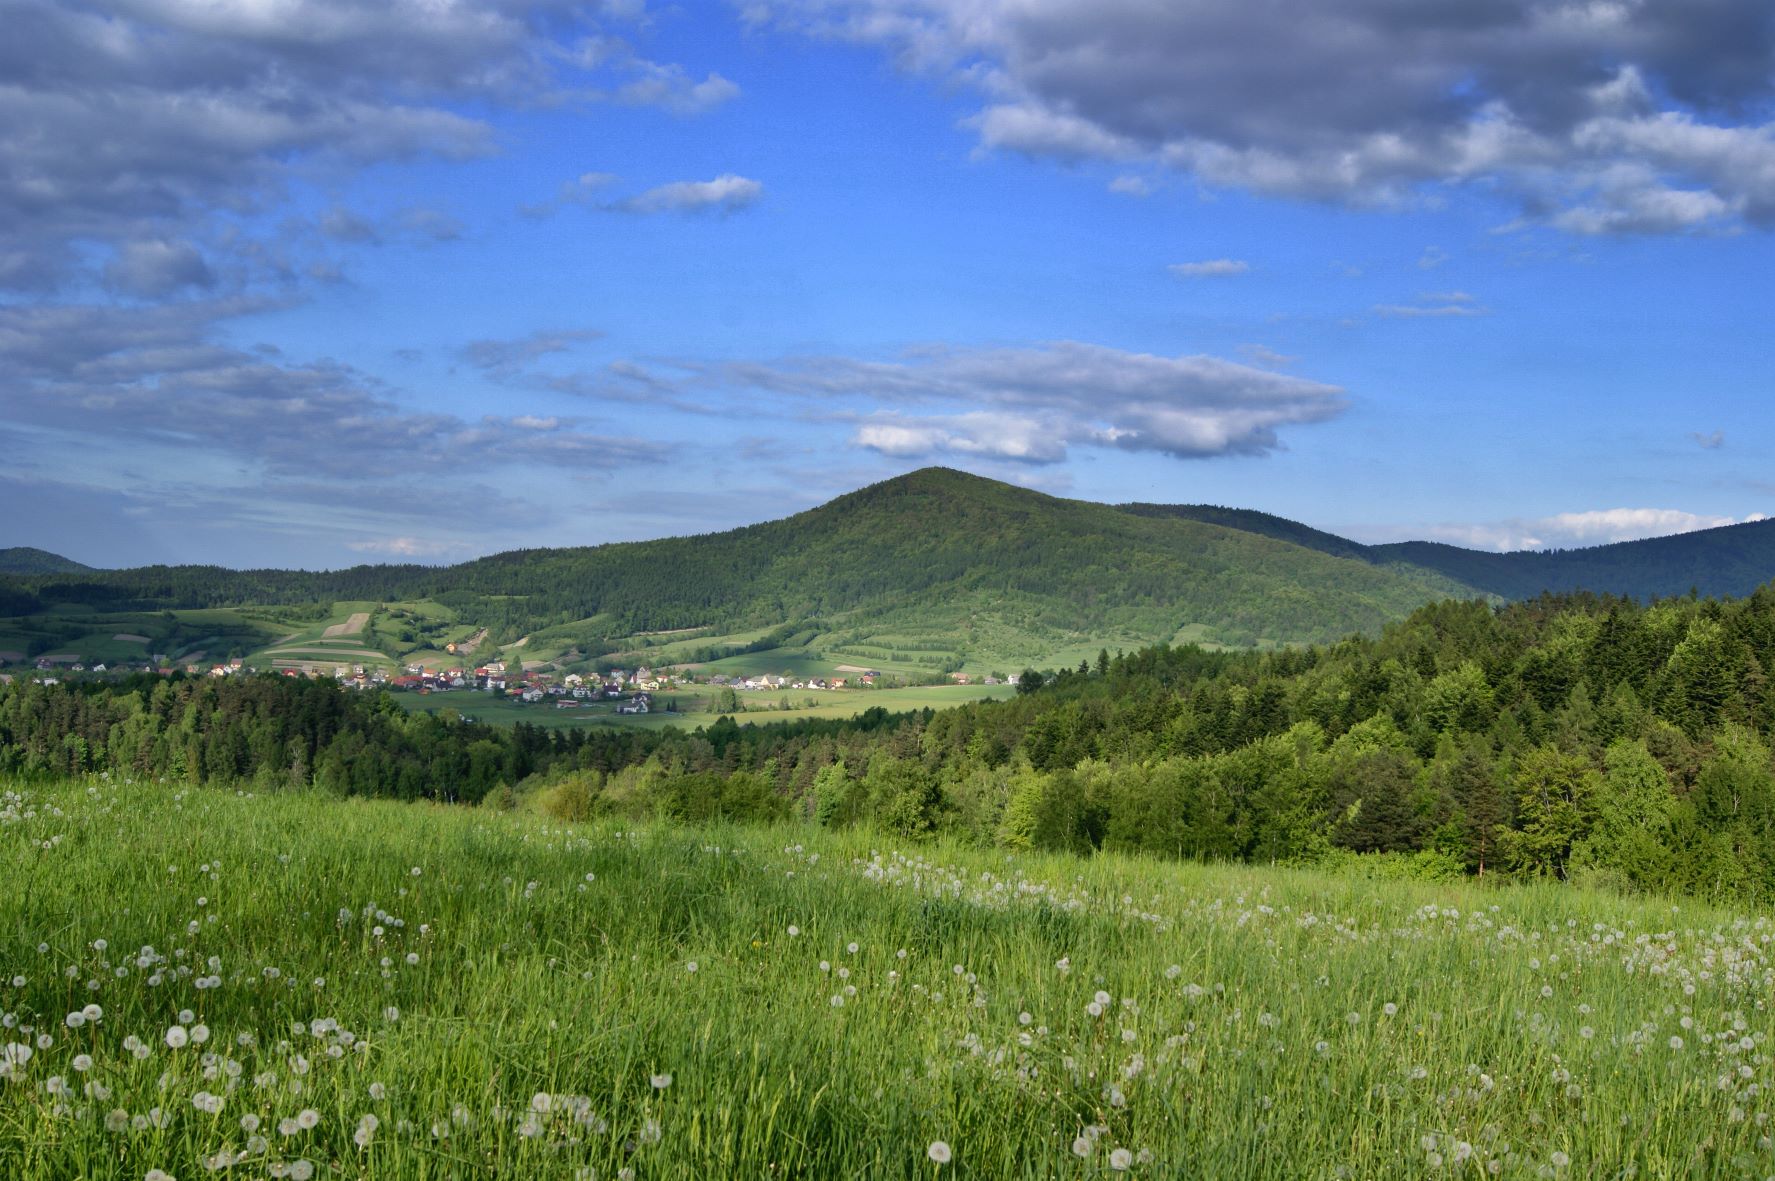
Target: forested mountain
[
  {"x": 24, "y": 559},
  {"x": 1577, "y": 736},
  {"x": 932, "y": 544},
  {"x": 940, "y": 549},
  {"x": 1730, "y": 560},
  {"x": 1265, "y": 524}
]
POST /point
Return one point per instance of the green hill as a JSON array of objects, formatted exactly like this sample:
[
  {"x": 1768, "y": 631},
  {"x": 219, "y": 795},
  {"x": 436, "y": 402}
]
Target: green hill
[
  {"x": 24, "y": 559},
  {"x": 935, "y": 567},
  {"x": 926, "y": 573},
  {"x": 939, "y": 551},
  {"x": 1732, "y": 560}
]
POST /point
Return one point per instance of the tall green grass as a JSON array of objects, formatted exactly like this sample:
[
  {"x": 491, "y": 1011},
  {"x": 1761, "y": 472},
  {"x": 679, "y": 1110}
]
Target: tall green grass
[{"x": 397, "y": 991}]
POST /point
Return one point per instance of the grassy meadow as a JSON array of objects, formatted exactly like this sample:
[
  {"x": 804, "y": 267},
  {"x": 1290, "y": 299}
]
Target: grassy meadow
[
  {"x": 696, "y": 705},
  {"x": 203, "y": 983}
]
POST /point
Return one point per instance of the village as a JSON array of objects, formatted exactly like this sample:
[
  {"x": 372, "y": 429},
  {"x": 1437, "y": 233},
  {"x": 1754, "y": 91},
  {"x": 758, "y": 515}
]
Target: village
[{"x": 632, "y": 691}]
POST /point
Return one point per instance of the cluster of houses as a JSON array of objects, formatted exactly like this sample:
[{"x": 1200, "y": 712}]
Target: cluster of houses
[
  {"x": 633, "y": 689},
  {"x": 766, "y": 682}
]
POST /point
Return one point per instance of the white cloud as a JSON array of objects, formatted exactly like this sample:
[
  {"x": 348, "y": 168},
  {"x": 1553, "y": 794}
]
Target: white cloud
[
  {"x": 128, "y": 124},
  {"x": 1032, "y": 404},
  {"x": 409, "y": 547},
  {"x": 1407, "y": 311},
  {"x": 156, "y": 267},
  {"x": 1573, "y": 529},
  {"x": 1213, "y": 268},
  {"x": 1369, "y": 103},
  {"x": 726, "y": 193}
]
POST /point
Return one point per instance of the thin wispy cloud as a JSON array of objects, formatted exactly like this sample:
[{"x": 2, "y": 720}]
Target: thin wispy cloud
[
  {"x": 1573, "y": 529},
  {"x": 1433, "y": 305},
  {"x": 1214, "y": 268}
]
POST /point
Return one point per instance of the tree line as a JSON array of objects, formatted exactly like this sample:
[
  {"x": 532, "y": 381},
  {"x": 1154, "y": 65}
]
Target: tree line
[{"x": 1573, "y": 737}]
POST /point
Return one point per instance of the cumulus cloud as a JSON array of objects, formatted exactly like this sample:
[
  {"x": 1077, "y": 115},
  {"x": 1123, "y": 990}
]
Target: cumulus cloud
[
  {"x": 155, "y": 267},
  {"x": 725, "y": 194},
  {"x": 1711, "y": 441},
  {"x": 1033, "y": 404},
  {"x": 1598, "y": 118},
  {"x": 125, "y": 124},
  {"x": 1592, "y": 527},
  {"x": 1211, "y": 269}
]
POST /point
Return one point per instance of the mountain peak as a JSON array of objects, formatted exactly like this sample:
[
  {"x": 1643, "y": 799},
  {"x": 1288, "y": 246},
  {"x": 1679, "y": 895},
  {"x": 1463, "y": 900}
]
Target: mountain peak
[{"x": 25, "y": 559}]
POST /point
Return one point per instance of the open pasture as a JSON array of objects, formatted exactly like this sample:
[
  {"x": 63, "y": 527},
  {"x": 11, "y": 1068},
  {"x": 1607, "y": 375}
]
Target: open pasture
[
  {"x": 696, "y": 705},
  {"x": 206, "y": 983}
]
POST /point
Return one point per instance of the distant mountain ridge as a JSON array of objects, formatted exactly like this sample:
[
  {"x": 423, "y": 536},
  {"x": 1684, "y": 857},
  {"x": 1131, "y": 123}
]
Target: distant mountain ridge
[
  {"x": 25, "y": 559},
  {"x": 1730, "y": 560},
  {"x": 939, "y": 559}
]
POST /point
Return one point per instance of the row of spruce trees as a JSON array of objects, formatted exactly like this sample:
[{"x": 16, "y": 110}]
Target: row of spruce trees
[{"x": 1575, "y": 737}]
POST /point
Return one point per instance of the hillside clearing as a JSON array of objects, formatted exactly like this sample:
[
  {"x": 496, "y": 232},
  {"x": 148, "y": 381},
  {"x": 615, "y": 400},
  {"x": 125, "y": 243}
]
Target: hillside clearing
[{"x": 351, "y": 627}]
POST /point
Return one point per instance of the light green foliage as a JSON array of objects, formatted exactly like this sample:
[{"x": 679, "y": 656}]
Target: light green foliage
[
  {"x": 425, "y": 992},
  {"x": 1460, "y": 699},
  {"x": 1556, "y": 796},
  {"x": 1629, "y": 844}
]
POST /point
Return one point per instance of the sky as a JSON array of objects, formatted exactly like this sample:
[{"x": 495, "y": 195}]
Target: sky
[{"x": 310, "y": 283}]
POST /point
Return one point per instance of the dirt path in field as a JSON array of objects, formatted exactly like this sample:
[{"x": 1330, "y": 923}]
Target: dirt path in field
[
  {"x": 350, "y": 627},
  {"x": 130, "y": 638},
  {"x": 468, "y": 646}
]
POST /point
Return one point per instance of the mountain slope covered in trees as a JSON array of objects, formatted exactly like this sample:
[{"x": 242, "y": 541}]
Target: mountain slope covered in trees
[
  {"x": 24, "y": 559},
  {"x": 933, "y": 548},
  {"x": 1730, "y": 560},
  {"x": 941, "y": 559}
]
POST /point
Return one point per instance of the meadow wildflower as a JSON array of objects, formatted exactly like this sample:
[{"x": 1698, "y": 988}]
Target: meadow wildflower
[
  {"x": 1121, "y": 1159},
  {"x": 938, "y": 1152}
]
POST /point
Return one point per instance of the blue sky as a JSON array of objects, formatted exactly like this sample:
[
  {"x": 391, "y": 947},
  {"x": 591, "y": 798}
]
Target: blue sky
[{"x": 313, "y": 282}]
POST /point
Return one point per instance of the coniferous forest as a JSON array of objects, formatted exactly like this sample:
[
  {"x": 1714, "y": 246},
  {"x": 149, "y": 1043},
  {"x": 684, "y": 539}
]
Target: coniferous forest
[{"x": 1572, "y": 737}]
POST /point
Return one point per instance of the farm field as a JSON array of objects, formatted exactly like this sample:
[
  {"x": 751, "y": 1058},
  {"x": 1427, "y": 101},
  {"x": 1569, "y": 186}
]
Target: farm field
[
  {"x": 200, "y": 982},
  {"x": 694, "y": 706},
  {"x": 131, "y": 637}
]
